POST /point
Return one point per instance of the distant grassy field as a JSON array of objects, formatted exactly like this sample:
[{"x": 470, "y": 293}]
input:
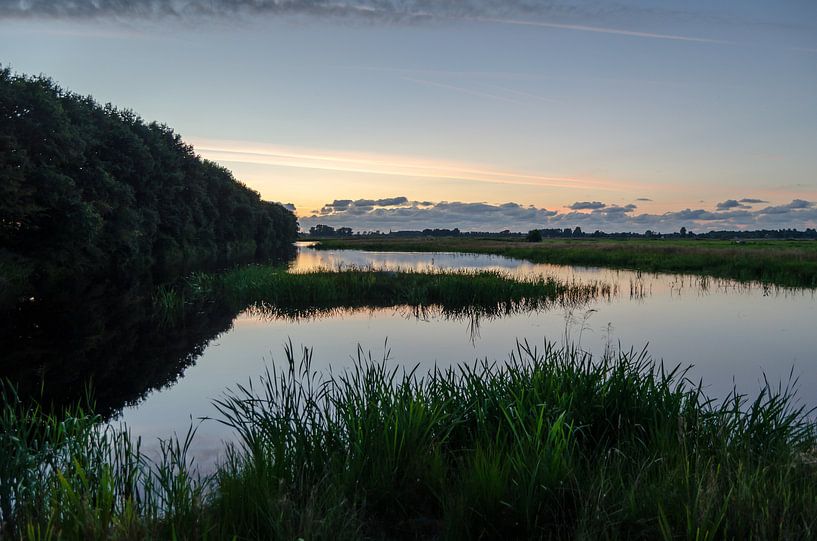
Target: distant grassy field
[
  {"x": 552, "y": 444},
  {"x": 779, "y": 262}
]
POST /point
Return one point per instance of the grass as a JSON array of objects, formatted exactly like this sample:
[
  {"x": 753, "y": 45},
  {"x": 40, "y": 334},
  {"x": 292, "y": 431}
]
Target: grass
[
  {"x": 551, "y": 444},
  {"x": 783, "y": 263},
  {"x": 276, "y": 292}
]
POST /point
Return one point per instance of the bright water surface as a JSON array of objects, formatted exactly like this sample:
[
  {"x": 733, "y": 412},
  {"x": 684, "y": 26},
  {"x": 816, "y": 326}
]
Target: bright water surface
[{"x": 732, "y": 333}]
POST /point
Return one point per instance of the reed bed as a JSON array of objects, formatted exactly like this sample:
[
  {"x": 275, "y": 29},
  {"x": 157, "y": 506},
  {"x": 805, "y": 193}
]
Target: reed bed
[
  {"x": 553, "y": 443},
  {"x": 277, "y": 293},
  {"x": 782, "y": 263}
]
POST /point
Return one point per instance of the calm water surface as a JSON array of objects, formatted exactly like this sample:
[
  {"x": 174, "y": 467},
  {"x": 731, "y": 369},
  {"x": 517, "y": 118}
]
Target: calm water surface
[{"x": 733, "y": 334}]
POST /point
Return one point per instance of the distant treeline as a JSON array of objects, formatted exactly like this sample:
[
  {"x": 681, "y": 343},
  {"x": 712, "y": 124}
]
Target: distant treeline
[
  {"x": 328, "y": 231},
  {"x": 95, "y": 190}
]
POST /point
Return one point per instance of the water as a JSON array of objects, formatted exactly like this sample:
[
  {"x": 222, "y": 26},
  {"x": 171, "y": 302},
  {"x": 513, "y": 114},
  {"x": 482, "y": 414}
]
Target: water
[{"x": 732, "y": 333}]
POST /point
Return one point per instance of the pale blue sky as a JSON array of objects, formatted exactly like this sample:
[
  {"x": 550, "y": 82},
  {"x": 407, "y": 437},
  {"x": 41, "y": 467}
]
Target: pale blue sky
[{"x": 545, "y": 104}]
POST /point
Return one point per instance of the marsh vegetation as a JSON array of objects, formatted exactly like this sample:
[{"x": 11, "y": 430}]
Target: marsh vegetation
[
  {"x": 274, "y": 291},
  {"x": 777, "y": 262},
  {"x": 552, "y": 443}
]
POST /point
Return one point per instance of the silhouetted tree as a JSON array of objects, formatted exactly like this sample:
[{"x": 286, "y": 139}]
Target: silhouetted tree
[
  {"x": 321, "y": 230},
  {"x": 95, "y": 190}
]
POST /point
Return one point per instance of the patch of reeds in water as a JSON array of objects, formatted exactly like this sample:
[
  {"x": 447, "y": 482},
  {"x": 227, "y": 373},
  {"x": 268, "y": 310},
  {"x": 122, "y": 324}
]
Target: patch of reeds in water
[
  {"x": 273, "y": 292},
  {"x": 552, "y": 443}
]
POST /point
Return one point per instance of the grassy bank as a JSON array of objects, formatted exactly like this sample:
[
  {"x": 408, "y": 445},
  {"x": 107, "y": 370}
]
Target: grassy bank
[
  {"x": 280, "y": 293},
  {"x": 784, "y": 263},
  {"x": 551, "y": 444}
]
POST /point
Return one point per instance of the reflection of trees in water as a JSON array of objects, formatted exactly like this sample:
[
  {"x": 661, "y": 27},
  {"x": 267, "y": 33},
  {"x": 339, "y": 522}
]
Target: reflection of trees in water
[
  {"x": 111, "y": 339},
  {"x": 103, "y": 337},
  {"x": 108, "y": 336}
]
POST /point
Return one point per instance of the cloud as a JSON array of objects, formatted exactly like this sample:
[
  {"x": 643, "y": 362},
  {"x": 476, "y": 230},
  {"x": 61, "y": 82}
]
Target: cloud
[
  {"x": 480, "y": 216},
  {"x": 605, "y": 30},
  {"x": 751, "y": 201},
  {"x": 731, "y": 204},
  {"x": 796, "y": 204},
  {"x": 587, "y": 205},
  {"x": 360, "y": 206},
  {"x": 507, "y": 12},
  {"x": 391, "y": 202},
  {"x": 643, "y": 199},
  {"x": 744, "y": 203},
  {"x": 390, "y": 165},
  {"x": 390, "y": 10}
]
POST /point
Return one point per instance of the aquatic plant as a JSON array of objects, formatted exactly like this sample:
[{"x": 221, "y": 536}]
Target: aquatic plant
[
  {"x": 274, "y": 292},
  {"x": 552, "y": 443},
  {"x": 783, "y": 263}
]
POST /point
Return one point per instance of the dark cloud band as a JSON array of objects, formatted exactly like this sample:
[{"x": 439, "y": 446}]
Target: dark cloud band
[
  {"x": 396, "y": 10},
  {"x": 375, "y": 214}
]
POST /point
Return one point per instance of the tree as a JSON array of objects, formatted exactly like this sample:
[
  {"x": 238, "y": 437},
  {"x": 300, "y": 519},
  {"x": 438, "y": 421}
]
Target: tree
[
  {"x": 94, "y": 191},
  {"x": 683, "y": 231},
  {"x": 577, "y": 232},
  {"x": 534, "y": 235},
  {"x": 321, "y": 230}
]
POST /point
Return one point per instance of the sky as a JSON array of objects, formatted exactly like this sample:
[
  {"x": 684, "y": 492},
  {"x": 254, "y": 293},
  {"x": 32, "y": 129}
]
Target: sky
[{"x": 479, "y": 114}]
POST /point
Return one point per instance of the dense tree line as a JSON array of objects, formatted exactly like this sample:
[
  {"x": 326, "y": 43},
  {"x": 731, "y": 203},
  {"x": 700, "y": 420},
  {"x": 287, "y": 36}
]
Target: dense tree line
[
  {"x": 576, "y": 232},
  {"x": 95, "y": 189}
]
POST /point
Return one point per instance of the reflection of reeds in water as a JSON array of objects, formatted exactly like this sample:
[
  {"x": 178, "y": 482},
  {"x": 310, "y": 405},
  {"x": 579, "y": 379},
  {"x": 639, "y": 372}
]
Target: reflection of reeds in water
[{"x": 273, "y": 293}]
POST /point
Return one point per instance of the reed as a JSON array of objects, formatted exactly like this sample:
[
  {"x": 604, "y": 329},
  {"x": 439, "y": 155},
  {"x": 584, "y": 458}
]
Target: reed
[
  {"x": 277, "y": 293},
  {"x": 553, "y": 443},
  {"x": 778, "y": 262}
]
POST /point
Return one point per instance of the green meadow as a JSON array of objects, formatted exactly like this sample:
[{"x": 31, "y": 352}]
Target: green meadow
[{"x": 778, "y": 262}]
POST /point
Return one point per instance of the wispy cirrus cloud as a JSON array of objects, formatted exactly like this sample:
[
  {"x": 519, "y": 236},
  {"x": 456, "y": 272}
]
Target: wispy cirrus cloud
[
  {"x": 516, "y": 12},
  {"x": 604, "y": 30},
  {"x": 390, "y": 165}
]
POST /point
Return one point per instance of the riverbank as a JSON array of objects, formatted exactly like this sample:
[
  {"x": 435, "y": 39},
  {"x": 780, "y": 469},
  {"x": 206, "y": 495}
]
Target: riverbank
[
  {"x": 551, "y": 443},
  {"x": 782, "y": 263}
]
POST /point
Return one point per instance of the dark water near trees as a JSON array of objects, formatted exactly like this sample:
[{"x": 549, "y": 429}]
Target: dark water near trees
[{"x": 158, "y": 379}]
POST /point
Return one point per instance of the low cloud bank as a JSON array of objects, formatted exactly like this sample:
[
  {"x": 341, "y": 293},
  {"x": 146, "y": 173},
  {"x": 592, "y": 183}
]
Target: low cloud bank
[{"x": 399, "y": 213}]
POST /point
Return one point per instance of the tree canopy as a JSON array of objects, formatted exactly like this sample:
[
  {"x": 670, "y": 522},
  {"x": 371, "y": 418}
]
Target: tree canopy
[{"x": 95, "y": 189}]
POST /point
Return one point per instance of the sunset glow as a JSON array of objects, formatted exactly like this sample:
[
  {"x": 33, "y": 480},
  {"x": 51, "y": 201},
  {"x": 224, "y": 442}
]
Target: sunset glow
[{"x": 660, "y": 115}]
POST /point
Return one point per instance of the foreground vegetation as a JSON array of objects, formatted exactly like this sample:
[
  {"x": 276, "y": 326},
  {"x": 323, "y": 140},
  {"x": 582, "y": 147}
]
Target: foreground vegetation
[
  {"x": 783, "y": 263},
  {"x": 276, "y": 292},
  {"x": 552, "y": 444}
]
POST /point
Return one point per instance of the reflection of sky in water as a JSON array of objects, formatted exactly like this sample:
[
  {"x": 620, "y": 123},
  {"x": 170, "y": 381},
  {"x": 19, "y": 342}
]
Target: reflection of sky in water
[{"x": 731, "y": 333}]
